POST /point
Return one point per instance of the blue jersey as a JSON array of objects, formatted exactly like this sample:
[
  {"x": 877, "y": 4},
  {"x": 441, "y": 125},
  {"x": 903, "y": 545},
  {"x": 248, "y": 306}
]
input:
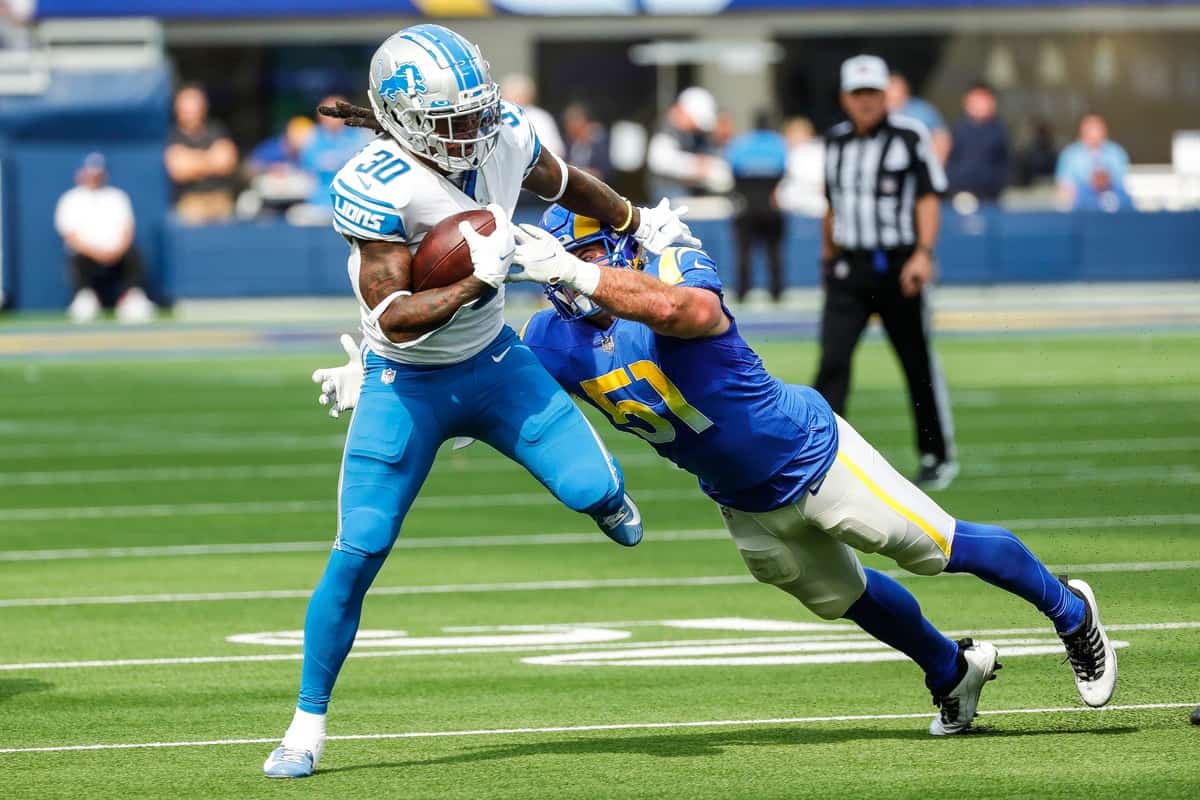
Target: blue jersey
[{"x": 708, "y": 405}]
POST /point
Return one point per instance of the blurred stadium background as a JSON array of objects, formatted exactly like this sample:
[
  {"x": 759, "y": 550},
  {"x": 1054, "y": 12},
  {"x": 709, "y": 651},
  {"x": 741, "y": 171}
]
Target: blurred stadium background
[
  {"x": 72, "y": 84},
  {"x": 165, "y": 488}
]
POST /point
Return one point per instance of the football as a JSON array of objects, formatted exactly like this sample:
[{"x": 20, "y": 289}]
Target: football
[{"x": 443, "y": 257}]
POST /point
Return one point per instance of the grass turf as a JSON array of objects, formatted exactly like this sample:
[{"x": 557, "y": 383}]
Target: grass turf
[{"x": 1087, "y": 445}]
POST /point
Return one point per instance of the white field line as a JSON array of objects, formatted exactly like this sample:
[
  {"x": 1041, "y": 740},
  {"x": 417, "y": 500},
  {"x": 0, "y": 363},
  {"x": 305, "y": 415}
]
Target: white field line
[
  {"x": 981, "y": 474},
  {"x": 414, "y": 543},
  {"x": 325, "y": 442},
  {"x": 536, "y": 539},
  {"x": 518, "y": 586},
  {"x": 620, "y": 726},
  {"x": 448, "y": 501},
  {"x": 850, "y": 635}
]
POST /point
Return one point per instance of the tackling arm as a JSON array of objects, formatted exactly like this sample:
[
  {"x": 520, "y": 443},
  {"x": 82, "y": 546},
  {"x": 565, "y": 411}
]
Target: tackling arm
[
  {"x": 384, "y": 271},
  {"x": 684, "y": 312}
]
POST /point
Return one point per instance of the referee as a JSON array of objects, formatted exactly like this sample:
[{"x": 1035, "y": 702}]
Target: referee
[{"x": 882, "y": 182}]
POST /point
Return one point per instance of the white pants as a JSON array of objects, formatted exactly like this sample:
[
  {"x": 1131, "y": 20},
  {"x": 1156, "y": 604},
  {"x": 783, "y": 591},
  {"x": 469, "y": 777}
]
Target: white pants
[{"x": 862, "y": 503}]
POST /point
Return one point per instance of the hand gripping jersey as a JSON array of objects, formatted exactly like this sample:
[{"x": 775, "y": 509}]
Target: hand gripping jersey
[
  {"x": 386, "y": 194},
  {"x": 708, "y": 405}
]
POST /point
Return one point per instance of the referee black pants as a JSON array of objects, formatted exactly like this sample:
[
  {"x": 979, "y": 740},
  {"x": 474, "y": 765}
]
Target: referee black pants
[{"x": 852, "y": 294}]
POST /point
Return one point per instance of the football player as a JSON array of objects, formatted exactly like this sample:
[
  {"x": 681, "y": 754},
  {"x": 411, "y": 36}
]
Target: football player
[
  {"x": 441, "y": 363},
  {"x": 647, "y": 339}
]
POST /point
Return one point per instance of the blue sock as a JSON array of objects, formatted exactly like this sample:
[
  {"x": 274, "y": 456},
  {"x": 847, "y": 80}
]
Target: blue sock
[
  {"x": 997, "y": 556},
  {"x": 892, "y": 615},
  {"x": 332, "y": 623}
]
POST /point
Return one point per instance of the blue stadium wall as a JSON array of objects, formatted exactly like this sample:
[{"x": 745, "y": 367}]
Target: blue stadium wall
[{"x": 43, "y": 140}]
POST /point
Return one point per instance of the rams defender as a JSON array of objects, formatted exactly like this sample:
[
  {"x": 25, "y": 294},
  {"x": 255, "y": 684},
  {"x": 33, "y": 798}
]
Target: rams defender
[
  {"x": 651, "y": 344},
  {"x": 441, "y": 362}
]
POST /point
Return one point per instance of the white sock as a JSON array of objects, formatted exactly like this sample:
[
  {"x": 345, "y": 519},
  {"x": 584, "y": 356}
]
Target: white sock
[{"x": 306, "y": 730}]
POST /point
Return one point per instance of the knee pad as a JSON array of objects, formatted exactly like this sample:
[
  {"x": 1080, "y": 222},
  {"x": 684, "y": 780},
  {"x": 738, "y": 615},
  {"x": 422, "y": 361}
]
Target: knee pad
[
  {"x": 771, "y": 562},
  {"x": 366, "y": 532}
]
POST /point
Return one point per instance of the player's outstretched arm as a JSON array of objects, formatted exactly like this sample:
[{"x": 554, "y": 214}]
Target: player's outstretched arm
[
  {"x": 655, "y": 228},
  {"x": 383, "y": 282},
  {"x": 684, "y": 312}
]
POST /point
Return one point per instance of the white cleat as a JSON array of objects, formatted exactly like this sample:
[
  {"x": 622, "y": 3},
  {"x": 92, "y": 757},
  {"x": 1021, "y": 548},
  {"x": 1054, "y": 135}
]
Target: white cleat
[
  {"x": 957, "y": 709},
  {"x": 1093, "y": 658},
  {"x": 293, "y": 762}
]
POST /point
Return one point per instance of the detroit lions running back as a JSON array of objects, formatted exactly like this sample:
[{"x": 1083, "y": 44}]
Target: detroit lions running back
[
  {"x": 648, "y": 340},
  {"x": 441, "y": 363}
]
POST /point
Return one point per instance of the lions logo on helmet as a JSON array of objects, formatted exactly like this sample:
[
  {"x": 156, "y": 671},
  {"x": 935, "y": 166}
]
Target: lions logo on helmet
[
  {"x": 433, "y": 93},
  {"x": 407, "y": 79}
]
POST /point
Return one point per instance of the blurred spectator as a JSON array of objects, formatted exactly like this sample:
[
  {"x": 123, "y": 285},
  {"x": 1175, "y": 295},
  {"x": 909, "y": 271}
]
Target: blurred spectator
[
  {"x": 1091, "y": 171},
  {"x": 978, "y": 163},
  {"x": 679, "y": 157},
  {"x": 758, "y": 159},
  {"x": 803, "y": 187},
  {"x": 1038, "y": 159},
  {"x": 14, "y": 24},
  {"x": 284, "y": 149},
  {"x": 201, "y": 159},
  {"x": 329, "y": 147},
  {"x": 518, "y": 88},
  {"x": 587, "y": 143},
  {"x": 96, "y": 223},
  {"x": 723, "y": 131},
  {"x": 901, "y": 101}
]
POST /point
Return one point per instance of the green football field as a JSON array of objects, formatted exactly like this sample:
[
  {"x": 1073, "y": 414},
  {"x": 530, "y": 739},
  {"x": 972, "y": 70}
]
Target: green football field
[{"x": 163, "y": 520}]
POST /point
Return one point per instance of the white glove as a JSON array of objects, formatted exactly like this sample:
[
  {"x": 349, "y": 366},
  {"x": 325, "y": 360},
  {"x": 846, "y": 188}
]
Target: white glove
[
  {"x": 662, "y": 226},
  {"x": 492, "y": 254},
  {"x": 543, "y": 259},
  {"x": 340, "y": 386}
]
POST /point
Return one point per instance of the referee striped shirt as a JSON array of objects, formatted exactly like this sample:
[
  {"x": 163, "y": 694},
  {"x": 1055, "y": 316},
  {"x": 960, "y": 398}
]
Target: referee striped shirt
[{"x": 872, "y": 182}]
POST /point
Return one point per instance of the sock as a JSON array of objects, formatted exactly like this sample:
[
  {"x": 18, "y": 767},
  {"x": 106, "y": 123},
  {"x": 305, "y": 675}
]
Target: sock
[
  {"x": 890, "y": 613},
  {"x": 331, "y": 624},
  {"x": 306, "y": 729},
  {"x": 997, "y": 556}
]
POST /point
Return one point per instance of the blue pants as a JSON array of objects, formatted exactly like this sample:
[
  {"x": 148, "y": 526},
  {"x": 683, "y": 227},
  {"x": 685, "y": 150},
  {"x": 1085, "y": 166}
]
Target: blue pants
[{"x": 502, "y": 396}]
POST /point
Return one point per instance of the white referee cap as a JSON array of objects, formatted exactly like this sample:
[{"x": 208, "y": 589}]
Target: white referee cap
[{"x": 864, "y": 72}]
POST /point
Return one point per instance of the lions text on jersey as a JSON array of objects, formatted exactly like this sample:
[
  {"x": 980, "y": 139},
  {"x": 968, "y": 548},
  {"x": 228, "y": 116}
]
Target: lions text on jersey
[
  {"x": 708, "y": 405},
  {"x": 387, "y": 194}
]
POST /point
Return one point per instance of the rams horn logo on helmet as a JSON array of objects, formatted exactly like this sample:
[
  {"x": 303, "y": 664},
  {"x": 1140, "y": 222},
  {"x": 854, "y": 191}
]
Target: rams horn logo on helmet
[{"x": 407, "y": 79}]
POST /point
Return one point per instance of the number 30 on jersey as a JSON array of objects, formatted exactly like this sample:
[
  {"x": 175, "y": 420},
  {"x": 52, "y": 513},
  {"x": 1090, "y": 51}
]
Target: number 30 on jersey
[{"x": 660, "y": 430}]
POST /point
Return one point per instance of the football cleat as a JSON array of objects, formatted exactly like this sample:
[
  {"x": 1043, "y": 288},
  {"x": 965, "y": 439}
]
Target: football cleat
[
  {"x": 957, "y": 708},
  {"x": 292, "y": 762},
  {"x": 1093, "y": 658},
  {"x": 625, "y": 526}
]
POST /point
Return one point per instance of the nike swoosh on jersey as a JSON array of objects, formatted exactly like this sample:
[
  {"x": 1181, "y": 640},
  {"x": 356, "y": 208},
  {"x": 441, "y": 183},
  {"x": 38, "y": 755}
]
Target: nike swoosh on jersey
[
  {"x": 500, "y": 357},
  {"x": 366, "y": 184}
]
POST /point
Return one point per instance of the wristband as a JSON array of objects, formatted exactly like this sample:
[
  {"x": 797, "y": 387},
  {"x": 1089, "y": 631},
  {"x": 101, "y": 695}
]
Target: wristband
[{"x": 624, "y": 226}]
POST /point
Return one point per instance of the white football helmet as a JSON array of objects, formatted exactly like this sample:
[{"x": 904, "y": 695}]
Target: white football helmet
[{"x": 433, "y": 92}]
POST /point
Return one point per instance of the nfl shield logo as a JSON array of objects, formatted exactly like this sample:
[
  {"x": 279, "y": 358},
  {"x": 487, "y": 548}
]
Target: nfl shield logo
[
  {"x": 606, "y": 343},
  {"x": 387, "y": 377}
]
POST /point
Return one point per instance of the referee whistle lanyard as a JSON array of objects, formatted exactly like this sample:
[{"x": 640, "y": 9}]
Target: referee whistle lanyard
[{"x": 880, "y": 261}]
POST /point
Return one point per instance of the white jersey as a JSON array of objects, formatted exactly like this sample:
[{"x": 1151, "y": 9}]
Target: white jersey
[{"x": 386, "y": 194}]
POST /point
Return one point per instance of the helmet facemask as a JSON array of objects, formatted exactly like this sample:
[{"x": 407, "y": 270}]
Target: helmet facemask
[
  {"x": 620, "y": 251},
  {"x": 455, "y": 138}
]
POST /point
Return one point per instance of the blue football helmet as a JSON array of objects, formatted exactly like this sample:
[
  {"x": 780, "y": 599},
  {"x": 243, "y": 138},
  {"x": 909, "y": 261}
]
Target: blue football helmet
[{"x": 576, "y": 232}]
